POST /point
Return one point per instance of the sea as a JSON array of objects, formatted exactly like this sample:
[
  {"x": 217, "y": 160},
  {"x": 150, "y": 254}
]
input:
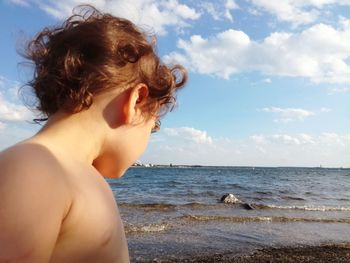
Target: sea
[{"x": 176, "y": 212}]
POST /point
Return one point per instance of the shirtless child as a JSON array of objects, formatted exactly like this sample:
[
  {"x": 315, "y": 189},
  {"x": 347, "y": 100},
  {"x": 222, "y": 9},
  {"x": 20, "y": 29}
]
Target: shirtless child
[{"x": 102, "y": 89}]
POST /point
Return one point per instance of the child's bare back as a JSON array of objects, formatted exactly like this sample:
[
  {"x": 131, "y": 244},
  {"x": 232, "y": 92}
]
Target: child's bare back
[
  {"x": 101, "y": 89},
  {"x": 65, "y": 210}
]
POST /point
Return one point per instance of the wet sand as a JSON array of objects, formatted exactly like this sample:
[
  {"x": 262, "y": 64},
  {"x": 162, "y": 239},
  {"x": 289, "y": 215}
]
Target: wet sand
[{"x": 326, "y": 253}]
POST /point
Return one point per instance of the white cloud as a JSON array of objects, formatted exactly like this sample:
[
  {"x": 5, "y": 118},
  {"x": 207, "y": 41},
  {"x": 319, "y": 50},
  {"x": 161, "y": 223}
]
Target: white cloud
[
  {"x": 156, "y": 14},
  {"x": 11, "y": 108},
  {"x": 13, "y": 115},
  {"x": 212, "y": 10},
  {"x": 285, "y": 139},
  {"x": 230, "y": 5},
  {"x": 288, "y": 114},
  {"x": 325, "y": 110},
  {"x": 280, "y": 54},
  {"x": 328, "y": 139},
  {"x": 2, "y": 125},
  {"x": 281, "y": 149},
  {"x": 336, "y": 90},
  {"x": 220, "y": 10},
  {"x": 20, "y": 2},
  {"x": 259, "y": 139},
  {"x": 287, "y": 11},
  {"x": 180, "y": 10},
  {"x": 12, "y": 112},
  {"x": 297, "y": 12},
  {"x": 189, "y": 134},
  {"x": 306, "y": 138},
  {"x": 221, "y": 55},
  {"x": 160, "y": 14},
  {"x": 282, "y": 139}
]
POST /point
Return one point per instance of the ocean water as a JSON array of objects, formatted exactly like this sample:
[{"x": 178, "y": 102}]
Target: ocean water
[{"x": 176, "y": 212}]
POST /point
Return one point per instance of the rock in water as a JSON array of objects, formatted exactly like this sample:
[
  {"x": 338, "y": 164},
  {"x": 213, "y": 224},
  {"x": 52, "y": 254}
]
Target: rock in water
[
  {"x": 230, "y": 199},
  {"x": 247, "y": 206}
]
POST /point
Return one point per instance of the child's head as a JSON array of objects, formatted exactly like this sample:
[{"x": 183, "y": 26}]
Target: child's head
[
  {"x": 93, "y": 52},
  {"x": 103, "y": 71}
]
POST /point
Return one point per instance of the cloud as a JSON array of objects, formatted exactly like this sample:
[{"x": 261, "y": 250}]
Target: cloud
[
  {"x": 287, "y": 11},
  {"x": 280, "y": 54},
  {"x": 20, "y": 2},
  {"x": 13, "y": 115},
  {"x": 157, "y": 14},
  {"x": 325, "y": 110},
  {"x": 285, "y": 139},
  {"x": 12, "y": 112},
  {"x": 258, "y": 139},
  {"x": 220, "y": 10},
  {"x": 282, "y": 139},
  {"x": 189, "y": 134},
  {"x": 221, "y": 55},
  {"x": 325, "y": 139},
  {"x": 212, "y": 10},
  {"x": 306, "y": 139},
  {"x": 11, "y": 109},
  {"x": 181, "y": 10},
  {"x": 296, "y": 12},
  {"x": 336, "y": 90},
  {"x": 230, "y": 5},
  {"x": 160, "y": 14},
  {"x": 280, "y": 149},
  {"x": 332, "y": 138},
  {"x": 288, "y": 114},
  {"x": 2, "y": 125}
]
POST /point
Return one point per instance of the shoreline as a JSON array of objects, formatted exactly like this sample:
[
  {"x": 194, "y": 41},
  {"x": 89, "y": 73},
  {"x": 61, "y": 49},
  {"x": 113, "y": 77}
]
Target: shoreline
[
  {"x": 323, "y": 253},
  {"x": 236, "y": 166}
]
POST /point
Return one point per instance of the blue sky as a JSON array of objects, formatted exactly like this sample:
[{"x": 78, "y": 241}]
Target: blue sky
[{"x": 269, "y": 80}]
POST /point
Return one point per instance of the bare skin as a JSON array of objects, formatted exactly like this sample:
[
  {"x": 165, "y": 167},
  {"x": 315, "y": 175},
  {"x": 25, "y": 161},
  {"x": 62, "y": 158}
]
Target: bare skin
[{"x": 55, "y": 205}]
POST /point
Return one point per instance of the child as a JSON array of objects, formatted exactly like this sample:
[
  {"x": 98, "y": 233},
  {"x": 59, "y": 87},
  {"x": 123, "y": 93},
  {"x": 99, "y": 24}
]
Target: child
[{"x": 103, "y": 89}]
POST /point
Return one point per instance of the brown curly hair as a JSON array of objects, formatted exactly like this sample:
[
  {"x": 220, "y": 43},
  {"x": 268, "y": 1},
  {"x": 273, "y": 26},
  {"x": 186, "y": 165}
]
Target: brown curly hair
[{"x": 93, "y": 52}]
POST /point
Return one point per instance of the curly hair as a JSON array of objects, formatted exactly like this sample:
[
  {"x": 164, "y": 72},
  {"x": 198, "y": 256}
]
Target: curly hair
[{"x": 93, "y": 52}]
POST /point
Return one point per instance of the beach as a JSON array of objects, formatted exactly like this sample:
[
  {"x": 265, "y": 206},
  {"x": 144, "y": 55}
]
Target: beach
[
  {"x": 317, "y": 254},
  {"x": 283, "y": 214}
]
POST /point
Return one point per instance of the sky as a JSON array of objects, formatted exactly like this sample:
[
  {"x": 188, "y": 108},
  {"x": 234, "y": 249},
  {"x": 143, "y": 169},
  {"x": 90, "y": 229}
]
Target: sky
[{"x": 269, "y": 81}]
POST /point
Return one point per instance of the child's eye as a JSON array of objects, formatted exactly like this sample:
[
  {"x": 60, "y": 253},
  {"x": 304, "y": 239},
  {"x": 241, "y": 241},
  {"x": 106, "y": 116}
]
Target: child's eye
[{"x": 156, "y": 126}]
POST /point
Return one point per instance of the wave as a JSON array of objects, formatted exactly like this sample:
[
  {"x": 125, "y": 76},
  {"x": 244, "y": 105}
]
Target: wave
[
  {"x": 237, "y": 186},
  {"x": 146, "y": 228},
  {"x": 152, "y": 206},
  {"x": 242, "y": 219},
  {"x": 191, "y": 193},
  {"x": 263, "y": 193},
  {"x": 289, "y": 197},
  {"x": 305, "y": 208},
  {"x": 200, "y": 205},
  {"x": 164, "y": 206},
  {"x": 194, "y": 205}
]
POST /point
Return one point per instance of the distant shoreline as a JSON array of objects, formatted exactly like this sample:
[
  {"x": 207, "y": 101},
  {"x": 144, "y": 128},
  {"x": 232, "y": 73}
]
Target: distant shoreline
[{"x": 223, "y": 167}]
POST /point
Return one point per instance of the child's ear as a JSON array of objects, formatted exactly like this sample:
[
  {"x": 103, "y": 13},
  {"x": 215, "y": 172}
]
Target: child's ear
[{"x": 136, "y": 97}]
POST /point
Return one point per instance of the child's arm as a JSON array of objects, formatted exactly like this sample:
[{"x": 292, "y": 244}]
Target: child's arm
[{"x": 33, "y": 202}]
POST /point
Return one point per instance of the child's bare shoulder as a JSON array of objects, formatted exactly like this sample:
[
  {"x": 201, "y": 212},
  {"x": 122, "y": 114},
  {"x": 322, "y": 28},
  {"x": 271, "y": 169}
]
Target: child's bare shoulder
[
  {"x": 29, "y": 160},
  {"x": 31, "y": 189}
]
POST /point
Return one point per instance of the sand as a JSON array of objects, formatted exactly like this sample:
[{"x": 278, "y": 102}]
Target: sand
[{"x": 325, "y": 253}]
